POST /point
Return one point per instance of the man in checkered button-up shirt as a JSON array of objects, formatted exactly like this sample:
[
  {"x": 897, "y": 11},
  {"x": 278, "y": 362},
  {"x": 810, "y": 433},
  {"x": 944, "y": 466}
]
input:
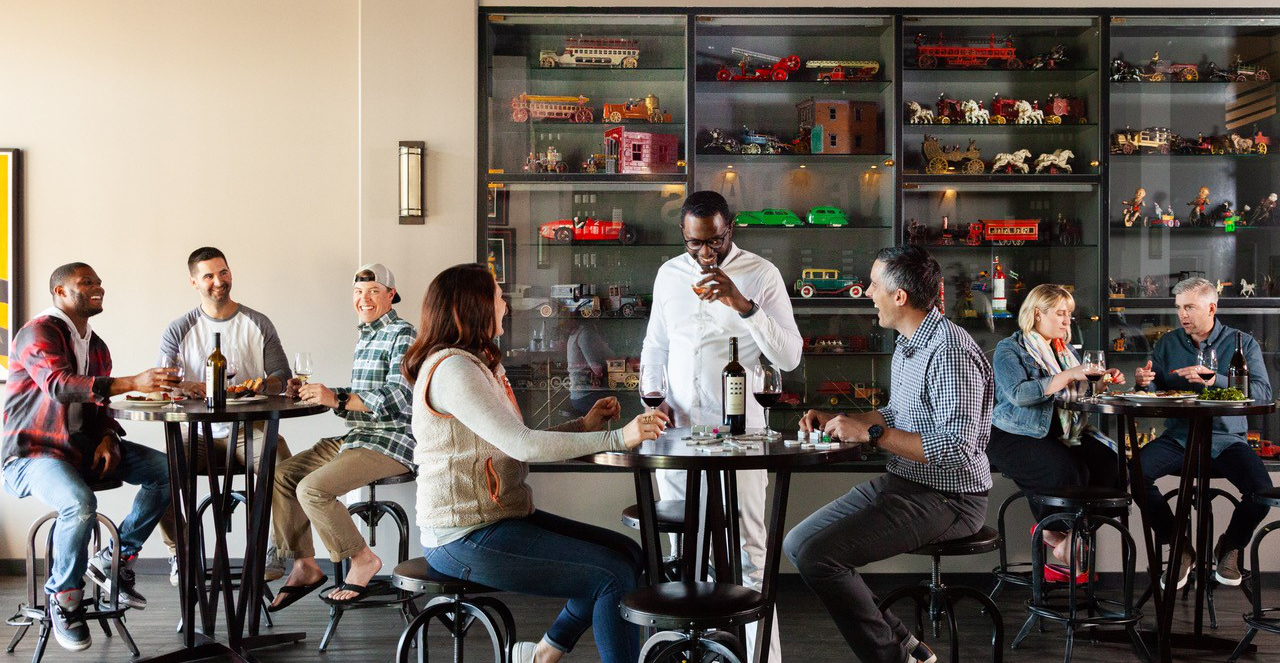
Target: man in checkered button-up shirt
[
  {"x": 377, "y": 445},
  {"x": 936, "y": 426}
]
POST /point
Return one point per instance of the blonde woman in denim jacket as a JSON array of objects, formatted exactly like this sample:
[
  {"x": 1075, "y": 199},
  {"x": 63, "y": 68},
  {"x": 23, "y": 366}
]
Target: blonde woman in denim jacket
[{"x": 1034, "y": 441}]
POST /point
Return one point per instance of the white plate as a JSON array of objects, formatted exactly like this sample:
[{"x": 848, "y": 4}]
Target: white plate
[
  {"x": 256, "y": 398},
  {"x": 1243, "y": 402},
  {"x": 151, "y": 403},
  {"x": 1147, "y": 398}
]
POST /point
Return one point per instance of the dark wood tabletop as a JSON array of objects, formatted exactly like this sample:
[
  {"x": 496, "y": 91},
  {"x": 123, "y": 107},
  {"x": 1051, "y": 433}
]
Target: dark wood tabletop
[
  {"x": 1176, "y": 409},
  {"x": 195, "y": 410},
  {"x": 673, "y": 451}
]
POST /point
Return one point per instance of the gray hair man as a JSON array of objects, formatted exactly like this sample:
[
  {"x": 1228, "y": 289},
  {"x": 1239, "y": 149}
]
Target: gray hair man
[{"x": 1174, "y": 365}]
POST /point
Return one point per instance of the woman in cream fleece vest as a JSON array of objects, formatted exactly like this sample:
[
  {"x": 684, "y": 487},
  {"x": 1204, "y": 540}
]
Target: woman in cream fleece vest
[{"x": 475, "y": 510}]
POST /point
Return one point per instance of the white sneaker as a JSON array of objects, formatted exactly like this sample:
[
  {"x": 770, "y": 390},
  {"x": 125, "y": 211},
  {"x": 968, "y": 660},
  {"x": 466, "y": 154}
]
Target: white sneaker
[
  {"x": 919, "y": 652},
  {"x": 173, "y": 570},
  {"x": 522, "y": 652}
]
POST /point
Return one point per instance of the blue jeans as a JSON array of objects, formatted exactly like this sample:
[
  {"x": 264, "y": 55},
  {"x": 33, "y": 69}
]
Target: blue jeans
[
  {"x": 546, "y": 555},
  {"x": 1237, "y": 463},
  {"x": 58, "y": 484}
]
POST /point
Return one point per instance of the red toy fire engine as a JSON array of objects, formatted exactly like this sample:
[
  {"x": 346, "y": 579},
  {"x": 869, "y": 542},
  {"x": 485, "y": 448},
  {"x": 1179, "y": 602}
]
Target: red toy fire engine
[
  {"x": 966, "y": 52},
  {"x": 779, "y": 70}
]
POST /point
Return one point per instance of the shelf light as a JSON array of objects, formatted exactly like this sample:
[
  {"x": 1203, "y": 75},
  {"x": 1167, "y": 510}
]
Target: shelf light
[
  {"x": 888, "y": 163},
  {"x": 803, "y": 166},
  {"x": 730, "y": 166},
  {"x": 1094, "y": 163}
]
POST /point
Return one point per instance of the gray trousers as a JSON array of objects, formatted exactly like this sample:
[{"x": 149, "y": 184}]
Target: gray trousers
[{"x": 882, "y": 518}]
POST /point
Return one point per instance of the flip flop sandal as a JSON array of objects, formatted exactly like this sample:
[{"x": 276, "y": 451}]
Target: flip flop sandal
[
  {"x": 360, "y": 590},
  {"x": 291, "y": 594}
]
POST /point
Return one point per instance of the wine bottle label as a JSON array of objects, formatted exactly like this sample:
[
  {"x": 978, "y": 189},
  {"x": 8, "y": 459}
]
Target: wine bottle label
[
  {"x": 1240, "y": 382},
  {"x": 735, "y": 396},
  {"x": 209, "y": 380}
]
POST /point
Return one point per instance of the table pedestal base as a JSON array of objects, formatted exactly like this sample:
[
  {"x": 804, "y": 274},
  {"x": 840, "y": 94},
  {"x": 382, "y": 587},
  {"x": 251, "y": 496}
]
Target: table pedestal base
[
  {"x": 1188, "y": 641},
  {"x": 207, "y": 648}
]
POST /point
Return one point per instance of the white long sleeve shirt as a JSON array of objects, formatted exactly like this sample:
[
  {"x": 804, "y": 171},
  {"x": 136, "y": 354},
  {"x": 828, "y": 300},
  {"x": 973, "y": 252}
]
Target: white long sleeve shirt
[{"x": 691, "y": 336}]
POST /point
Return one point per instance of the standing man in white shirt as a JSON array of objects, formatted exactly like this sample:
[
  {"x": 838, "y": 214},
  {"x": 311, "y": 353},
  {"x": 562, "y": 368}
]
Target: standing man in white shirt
[{"x": 745, "y": 297}]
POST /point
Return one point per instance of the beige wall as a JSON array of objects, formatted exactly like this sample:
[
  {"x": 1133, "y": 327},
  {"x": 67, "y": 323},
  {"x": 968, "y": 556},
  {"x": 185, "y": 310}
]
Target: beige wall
[{"x": 268, "y": 129}]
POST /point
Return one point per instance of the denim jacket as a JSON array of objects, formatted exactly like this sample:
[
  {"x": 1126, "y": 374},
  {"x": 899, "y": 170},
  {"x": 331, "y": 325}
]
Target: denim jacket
[{"x": 1022, "y": 408}]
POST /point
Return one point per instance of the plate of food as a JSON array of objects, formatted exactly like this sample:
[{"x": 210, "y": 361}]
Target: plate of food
[
  {"x": 244, "y": 398},
  {"x": 153, "y": 399},
  {"x": 1153, "y": 396},
  {"x": 1228, "y": 395}
]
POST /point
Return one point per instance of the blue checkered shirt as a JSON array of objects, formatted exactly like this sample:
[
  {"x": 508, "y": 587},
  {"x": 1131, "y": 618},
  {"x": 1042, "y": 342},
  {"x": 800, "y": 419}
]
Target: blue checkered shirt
[
  {"x": 376, "y": 379},
  {"x": 943, "y": 389}
]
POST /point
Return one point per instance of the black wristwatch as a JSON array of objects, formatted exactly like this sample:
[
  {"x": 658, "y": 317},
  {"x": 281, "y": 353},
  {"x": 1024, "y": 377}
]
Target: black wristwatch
[
  {"x": 874, "y": 433},
  {"x": 342, "y": 397}
]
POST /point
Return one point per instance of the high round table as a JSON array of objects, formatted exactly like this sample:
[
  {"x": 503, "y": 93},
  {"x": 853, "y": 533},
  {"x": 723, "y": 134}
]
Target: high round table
[
  {"x": 241, "y": 611},
  {"x": 1195, "y": 469},
  {"x": 711, "y": 505}
]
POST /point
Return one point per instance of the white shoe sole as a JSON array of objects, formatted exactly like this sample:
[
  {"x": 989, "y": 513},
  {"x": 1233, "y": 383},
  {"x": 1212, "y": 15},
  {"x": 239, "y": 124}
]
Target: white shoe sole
[
  {"x": 522, "y": 652},
  {"x": 70, "y": 645},
  {"x": 95, "y": 576},
  {"x": 1230, "y": 582},
  {"x": 1181, "y": 583}
]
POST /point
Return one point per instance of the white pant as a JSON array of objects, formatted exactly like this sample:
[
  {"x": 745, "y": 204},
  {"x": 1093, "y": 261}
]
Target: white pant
[{"x": 751, "y": 524}]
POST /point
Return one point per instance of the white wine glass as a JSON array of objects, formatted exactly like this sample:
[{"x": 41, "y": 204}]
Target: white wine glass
[
  {"x": 302, "y": 366},
  {"x": 766, "y": 384}
]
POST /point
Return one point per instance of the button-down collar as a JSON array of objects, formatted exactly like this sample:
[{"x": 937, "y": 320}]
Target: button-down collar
[
  {"x": 920, "y": 338},
  {"x": 374, "y": 327}
]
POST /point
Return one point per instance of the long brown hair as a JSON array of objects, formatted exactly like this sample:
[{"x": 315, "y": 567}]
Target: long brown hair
[{"x": 457, "y": 312}]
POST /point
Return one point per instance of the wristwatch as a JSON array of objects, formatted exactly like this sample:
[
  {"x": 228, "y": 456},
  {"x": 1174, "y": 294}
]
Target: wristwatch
[
  {"x": 751, "y": 311},
  {"x": 874, "y": 433},
  {"x": 342, "y": 397}
]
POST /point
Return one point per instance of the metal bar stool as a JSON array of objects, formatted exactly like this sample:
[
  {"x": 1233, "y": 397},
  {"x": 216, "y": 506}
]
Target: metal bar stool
[
  {"x": 382, "y": 592},
  {"x": 1017, "y": 574},
  {"x": 670, "y": 521},
  {"x": 36, "y": 609},
  {"x": 1259, "y": 618},
  {"x": 940, "y": 599},
  {"x": 1086, "y": 506},
  {"x": 458, "y": 609},
  {"x": 1212, "y": 584}
]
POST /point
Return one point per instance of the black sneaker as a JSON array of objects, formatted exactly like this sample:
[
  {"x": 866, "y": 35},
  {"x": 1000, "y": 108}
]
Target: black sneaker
[
  {"x": 99, "y": 572},
  {"x": 1226, "y": 568},
  {"x": 919, "y": 652},
  {"x": 67, "y": 615}
]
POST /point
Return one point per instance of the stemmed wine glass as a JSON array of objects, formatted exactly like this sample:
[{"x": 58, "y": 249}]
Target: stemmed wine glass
[
  {"x": 766, "y": 381},
  {"x": 1207, "y": 363},
  {"x": 232, "y": 369},
  {"x": 653, "y": 385},
  {"x": 1094, "y": 363},
  {"x": 174, "y": 361}
]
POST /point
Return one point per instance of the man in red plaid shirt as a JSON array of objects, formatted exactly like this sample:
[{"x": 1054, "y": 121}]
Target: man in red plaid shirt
[{"x": 58, "y": 437}]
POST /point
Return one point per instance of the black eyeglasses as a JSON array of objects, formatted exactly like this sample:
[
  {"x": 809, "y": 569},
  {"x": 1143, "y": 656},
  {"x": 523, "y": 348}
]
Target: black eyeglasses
[{"x": 715, "y": 242}]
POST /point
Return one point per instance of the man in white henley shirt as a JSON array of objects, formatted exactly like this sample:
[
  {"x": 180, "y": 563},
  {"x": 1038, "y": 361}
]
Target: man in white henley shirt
[{"x": 689, "y": 334}]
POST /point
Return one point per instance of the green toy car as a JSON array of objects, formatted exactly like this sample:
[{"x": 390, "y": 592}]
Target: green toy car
[
  {"x": 828, "y": 216},
  {"x": 767, "y": 217},
  {"x": 827, "y": 282}
]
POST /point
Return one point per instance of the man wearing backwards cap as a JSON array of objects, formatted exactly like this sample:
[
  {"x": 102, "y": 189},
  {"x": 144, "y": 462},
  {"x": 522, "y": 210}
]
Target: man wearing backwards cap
[{"x": 377, "y": 445}]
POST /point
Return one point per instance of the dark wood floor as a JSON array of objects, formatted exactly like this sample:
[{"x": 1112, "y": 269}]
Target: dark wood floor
[{"x": 807, "y": 633}]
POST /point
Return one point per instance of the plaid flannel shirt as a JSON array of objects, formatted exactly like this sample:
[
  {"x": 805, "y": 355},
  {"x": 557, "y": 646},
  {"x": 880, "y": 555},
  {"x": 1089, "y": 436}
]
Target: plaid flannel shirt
[
  {"x": 376, "y": 379},
  {"x": 43, "y": 383},
  {"x": 943, "y": 389}
]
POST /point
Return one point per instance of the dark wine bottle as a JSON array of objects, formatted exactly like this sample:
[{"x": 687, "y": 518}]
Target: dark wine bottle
[
  {"x": 215, "y": 376},
  {"x": 733, "y": 396},
  {"x": 1238, "y": 373}
]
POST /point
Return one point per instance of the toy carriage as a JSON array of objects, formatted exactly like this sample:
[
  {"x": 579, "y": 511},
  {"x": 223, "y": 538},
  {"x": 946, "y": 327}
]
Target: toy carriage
[
  {"x": 1069, "y": 108},
  {"x": 939, "y": 160}
]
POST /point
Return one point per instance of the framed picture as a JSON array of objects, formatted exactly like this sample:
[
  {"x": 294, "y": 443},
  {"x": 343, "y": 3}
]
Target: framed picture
[
  {"x": 496, "y": 206},
  {"x": 10, "y": 265},
  {"x": 502, "y": 254}
]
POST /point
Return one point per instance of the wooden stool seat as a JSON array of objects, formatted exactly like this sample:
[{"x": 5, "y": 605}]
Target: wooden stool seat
[
  {"x": 670, "y": 516},
  {"x": 693, "y": 605},
  {"x": 982, "y": 541},
  {"x": 1091, "y": 497},
  {"x": 417, "y": 576}
]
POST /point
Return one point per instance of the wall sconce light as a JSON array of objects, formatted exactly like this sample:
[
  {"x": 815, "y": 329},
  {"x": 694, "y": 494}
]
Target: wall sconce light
[{"x": 413, "y": 180}]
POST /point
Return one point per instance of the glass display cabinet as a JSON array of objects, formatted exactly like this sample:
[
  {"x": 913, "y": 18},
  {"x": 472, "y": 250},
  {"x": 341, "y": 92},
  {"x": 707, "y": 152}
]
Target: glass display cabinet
[
  {"x": 1001, "y": 146},
  {"x": 1191, "y": 178},
  {"x": 584, "y": 172},
  {"x": 793, "y": 122}
]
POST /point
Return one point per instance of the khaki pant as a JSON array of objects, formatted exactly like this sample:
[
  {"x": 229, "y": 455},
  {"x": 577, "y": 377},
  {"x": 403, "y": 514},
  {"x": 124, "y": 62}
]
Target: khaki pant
[
  {"x": 307, "y": 490},
  {"x": 167, "y": 525}
]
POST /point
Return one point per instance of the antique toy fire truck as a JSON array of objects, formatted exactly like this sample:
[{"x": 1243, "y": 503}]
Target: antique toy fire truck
[
  {"x": 844, "y": 70},
  {"x": 525, "y": 107},
  {"x": 779, "y": 70},
  {"x": 593, "y": 52},
  {"x": 966, "y": 52},
  {"x": 635, "y": 109}
]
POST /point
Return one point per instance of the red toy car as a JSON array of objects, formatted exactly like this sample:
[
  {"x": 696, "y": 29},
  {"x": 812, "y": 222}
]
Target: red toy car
[
  {"x": 779, "y": 69},
  {"x": 590, "y": 230}
]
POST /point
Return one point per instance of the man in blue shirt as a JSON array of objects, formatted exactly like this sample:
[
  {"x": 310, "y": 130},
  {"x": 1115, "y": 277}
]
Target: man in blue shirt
[{"x": 1173, "y": 365}]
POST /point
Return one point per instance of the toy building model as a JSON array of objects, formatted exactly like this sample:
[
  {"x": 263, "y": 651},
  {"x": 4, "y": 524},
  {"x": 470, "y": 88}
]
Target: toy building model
[
  {"x": 642, "y": 152},
  {"x": 839, "y": 126}
]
